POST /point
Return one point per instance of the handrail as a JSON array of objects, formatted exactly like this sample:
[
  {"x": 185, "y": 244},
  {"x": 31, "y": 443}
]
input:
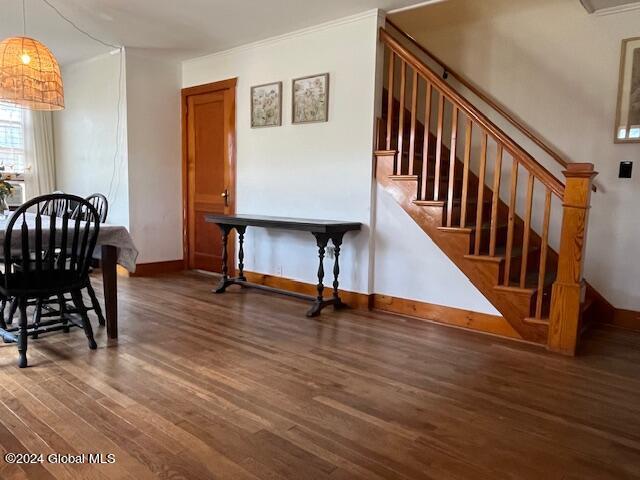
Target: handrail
[
  {"x": 521, "y": 155},
  {"x": 485, "y": 98}
]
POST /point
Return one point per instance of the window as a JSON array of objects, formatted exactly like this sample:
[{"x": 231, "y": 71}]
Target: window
[
  {"x": 11, "y": 139},
  {"x": 12, "y": 149}
]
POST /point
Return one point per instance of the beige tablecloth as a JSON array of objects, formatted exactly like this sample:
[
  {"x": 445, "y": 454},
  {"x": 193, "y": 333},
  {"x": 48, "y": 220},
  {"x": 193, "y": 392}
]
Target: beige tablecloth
[{"x": 114, "y": 235}]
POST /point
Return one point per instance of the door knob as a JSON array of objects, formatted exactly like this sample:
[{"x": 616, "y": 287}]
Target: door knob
[{"x": 225, "y": 195}]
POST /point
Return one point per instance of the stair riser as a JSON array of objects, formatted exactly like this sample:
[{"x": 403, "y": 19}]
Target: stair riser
[
  {"x": 533, "y": 263},
  {"x": 472, "y": 211},
  {"x": 485, "y": 238}
]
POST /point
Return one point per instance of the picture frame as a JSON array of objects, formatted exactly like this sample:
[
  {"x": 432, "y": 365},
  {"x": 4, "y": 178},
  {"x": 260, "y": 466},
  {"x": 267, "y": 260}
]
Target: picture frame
[
  {"x": 266, "y": 105},
  {"x": 627, "y": 127},
  {"x": 310, "y": 99}
]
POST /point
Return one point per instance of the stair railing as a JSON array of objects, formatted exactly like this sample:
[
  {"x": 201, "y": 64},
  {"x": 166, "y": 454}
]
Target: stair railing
[
  {"x": 400, "y": 132},
  {"x": 511, "y": 118}
]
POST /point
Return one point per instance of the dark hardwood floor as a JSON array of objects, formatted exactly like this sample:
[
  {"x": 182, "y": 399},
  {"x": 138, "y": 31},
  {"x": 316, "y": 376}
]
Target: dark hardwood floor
[{"x": 243, "y": 385}]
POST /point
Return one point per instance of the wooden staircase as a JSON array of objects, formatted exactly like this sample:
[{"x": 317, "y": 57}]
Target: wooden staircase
[{"x": 514, "y": 229}]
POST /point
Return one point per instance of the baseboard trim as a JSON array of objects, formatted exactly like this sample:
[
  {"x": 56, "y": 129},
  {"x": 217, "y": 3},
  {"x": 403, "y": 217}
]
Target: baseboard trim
[
  {"x": 157, "y": 268},
  {"x": 629, "y": 319},
  {"x": 352, "y": 299},
  {"x": 449, "y": 316}
]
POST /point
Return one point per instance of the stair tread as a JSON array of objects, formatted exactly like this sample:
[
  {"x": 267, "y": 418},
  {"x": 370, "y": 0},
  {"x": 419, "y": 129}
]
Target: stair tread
[
  {"x": 501, "y": 251},
  {"x": 536, "y": 321},
  {"x": 455, "y": 229},
  {"x": 403, "y": 177},
  {"x": 430, "y": 203}
]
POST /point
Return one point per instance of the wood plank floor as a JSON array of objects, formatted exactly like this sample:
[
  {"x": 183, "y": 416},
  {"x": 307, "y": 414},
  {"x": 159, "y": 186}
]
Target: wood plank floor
[{"x": 243, "y": 385}]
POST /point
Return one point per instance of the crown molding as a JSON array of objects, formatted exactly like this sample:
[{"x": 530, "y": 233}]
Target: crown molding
[
  {"x": 627, "y": 7},
  {"x": 414, "y": 6},
  {"x": 377, "y": 13}
]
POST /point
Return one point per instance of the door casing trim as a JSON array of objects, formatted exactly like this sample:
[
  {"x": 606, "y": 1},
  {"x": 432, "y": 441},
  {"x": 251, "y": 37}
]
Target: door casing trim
[{"x": 229, "y": 84}]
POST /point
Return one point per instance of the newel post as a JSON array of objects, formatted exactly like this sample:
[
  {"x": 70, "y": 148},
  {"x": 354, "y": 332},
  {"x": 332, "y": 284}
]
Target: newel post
[{"x": 568, "y": 289}]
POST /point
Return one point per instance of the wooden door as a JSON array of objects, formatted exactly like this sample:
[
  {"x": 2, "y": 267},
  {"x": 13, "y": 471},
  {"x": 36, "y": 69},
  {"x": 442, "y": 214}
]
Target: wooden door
[{"x": 209, "y": 131}]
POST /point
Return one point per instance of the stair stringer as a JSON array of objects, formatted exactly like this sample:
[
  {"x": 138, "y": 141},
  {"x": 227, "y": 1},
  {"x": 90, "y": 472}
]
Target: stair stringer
[{"x": 514, "y": 305}]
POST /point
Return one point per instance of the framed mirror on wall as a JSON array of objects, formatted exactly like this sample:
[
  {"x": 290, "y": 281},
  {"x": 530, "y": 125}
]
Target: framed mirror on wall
[{"x": 627, "y": 128}]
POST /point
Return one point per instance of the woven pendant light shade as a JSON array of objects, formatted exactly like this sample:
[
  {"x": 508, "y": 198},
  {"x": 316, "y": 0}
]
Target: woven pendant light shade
[{"x": 29, "y": 75}]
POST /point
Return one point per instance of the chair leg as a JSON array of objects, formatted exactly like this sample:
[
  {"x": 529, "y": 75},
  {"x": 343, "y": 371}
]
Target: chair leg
[
  {"x": 37, "y": 315},
  {"x": 22, "y": 333},
  {"x": 62, "y": 305},
  {"x": 96, "y": 305},
  {"x": 3, "y": 305},
  {"x": 86, "y": 324},
  {"x": 13, "y": 308}
]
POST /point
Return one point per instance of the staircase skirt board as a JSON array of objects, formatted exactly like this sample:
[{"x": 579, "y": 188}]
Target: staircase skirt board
[{"x": 455, "y": 317}]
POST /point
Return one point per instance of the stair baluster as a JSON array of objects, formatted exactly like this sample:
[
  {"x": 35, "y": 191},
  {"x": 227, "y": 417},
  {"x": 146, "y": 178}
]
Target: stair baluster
[
  {"x": 511, "y": 221},
  {"x": 452, "y": 164},
  {"x": 436, "y": 181},
  {"x": 403, "y": 85},
  {"x": 481, "y": 176},
  {"x": 465, "y": 174},
  {"x": 392, "y": 58},
  {"x": 543, "y": 254},
  {"x": 527, "y": 231},
  {"x": 414, "y": 110},
  {"x": 426, "y": 143},
  {"x": 495, "y": 201}
]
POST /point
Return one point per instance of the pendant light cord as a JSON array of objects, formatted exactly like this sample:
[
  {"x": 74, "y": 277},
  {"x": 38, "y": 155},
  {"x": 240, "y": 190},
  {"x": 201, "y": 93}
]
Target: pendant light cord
[
  {"x": 114, "y": 183},
  {"x": 24, "y": 19},
  {"x": 70, "y": 22}
]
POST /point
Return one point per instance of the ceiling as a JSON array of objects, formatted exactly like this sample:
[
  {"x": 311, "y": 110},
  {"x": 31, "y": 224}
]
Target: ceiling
[
  {"x": 180, "y": 28},
  {"x": 596, "y": 5}
]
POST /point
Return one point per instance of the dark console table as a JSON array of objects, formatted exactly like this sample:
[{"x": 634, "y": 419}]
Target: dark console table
[{"x": 322, "y": 230}]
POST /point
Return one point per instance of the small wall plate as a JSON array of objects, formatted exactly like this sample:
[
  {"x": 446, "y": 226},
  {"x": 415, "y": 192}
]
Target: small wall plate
[{"x": 625, "y": 169}]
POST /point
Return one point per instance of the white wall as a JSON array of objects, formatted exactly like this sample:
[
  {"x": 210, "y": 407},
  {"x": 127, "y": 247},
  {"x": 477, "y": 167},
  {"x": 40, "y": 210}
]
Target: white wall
[
  {"x": 90, "y": 141},
  {"x": 557, "y": 68},
  {"x": 143, "y": 184},
  {"x": 409, "y": 265},
  {"x": 320, "y": 170},
  {"x": 154, "y": 142}
]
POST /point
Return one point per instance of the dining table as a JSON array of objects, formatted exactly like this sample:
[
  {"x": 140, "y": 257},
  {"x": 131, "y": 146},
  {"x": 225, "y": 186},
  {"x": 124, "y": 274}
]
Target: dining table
[{"x": 114, "y": 247}]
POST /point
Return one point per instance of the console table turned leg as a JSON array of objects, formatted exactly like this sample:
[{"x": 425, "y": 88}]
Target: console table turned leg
[
  {"x": 337, "y": 242},
  {"x": 224, "y": 282},
  {"x": 241, "y": 230},
  {"x": 321, "y": 240}
]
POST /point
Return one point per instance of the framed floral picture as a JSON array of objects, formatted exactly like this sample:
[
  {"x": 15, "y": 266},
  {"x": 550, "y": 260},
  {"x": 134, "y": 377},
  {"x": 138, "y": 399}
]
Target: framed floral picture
[
  {"x": 310, "y": 99},
  {"x": 266, "y": 105},
  {"x": 627, "y": 128}
]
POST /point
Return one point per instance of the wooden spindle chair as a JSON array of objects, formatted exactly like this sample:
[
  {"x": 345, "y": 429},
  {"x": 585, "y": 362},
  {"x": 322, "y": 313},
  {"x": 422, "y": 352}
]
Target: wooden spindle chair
[
  {"x": 50, "y": 259},
  {"x": 57, "y": 207}
]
